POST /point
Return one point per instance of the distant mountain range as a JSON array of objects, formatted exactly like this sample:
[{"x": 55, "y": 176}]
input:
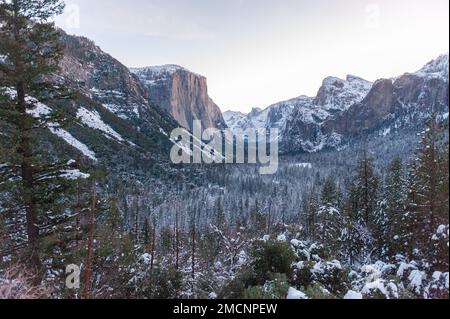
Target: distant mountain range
[
  {"x": 123, "y": 117},
  {"x": 344, "y": 109}
]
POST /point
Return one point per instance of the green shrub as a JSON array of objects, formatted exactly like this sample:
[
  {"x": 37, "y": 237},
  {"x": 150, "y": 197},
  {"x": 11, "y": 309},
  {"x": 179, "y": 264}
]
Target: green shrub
[
  {"x": 274, "y": 289},
  {"x": 270, "y": 257}
]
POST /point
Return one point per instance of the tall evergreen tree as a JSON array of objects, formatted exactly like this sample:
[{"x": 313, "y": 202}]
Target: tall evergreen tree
[
  {"x": 395, "y": 193},
  {"x": 366, "y": 183},
  {"x": 31, "y": 51},
  {"x": 362, "y": 234},
  {"x": 428, "y": 196},
  {"x": 329, "y": 194},
  {"x": 351, "y": 240},
  {"x": 329, "y": 219}
]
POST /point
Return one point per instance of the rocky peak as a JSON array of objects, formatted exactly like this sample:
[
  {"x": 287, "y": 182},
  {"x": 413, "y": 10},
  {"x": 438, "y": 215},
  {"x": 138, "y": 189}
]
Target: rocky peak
[
  {"x": 255, "y": 111},
  {"x": 437, "y": 68},
  {"x": 344, "y": 109},
  {"x": 99, "y": 76},
  {"x": 182, "y": 93},
  {"x": 234, "y": 120},
  {"x": 338, "y": 94}
]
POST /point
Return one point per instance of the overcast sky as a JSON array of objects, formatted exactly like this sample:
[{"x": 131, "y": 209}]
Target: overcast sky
[{"x": 257, "y": 52}]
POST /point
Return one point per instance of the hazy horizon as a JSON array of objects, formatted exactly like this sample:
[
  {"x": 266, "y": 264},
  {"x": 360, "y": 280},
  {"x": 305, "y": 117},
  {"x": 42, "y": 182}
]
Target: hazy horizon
[{"x": 256, "y": 53}]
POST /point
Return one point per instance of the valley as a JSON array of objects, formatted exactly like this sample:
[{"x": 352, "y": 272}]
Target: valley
[{"x": 356, "y": 209}]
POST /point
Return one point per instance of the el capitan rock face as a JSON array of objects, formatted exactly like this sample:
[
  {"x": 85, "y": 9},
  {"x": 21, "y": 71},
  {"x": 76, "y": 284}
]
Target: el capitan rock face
[{"x": 181, "y": 93}]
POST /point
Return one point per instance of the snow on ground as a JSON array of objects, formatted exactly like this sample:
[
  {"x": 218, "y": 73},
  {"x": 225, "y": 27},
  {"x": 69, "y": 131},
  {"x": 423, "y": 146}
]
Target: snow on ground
[
  {"x": 116, "y": 109},
  {"x": 416, "y": 279},
  {"x": 212, "y": 295},
  {"x": 74, "y": 174},
  {"x": 295, "y": 294},
  {"x": 353, "y": 295},
  {"x": 42, "y": 110},
  {"x": 39, "y": 110},
  {"x": 234, "y": 120},
  {"x": 66, "y": 136},
  {"x": 93, "y": 120},
  {"x": 388, "y": 289},
  {"x": 386, "y": 132}
]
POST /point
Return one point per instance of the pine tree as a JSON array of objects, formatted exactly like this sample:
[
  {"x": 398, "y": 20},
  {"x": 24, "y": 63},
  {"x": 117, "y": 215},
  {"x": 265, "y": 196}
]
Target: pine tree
[
  {"x": 310, "y": 206},
  {"x": 395, "y": 193},
  {"x": 351, "y": 240},
  {"x": 366, "y": 183},
  {"x": 428, "y": 196},
  {"x": 329, "y": 196},
  {"x": 329, "y": 223},
  {"x": 32, "y": 50}
]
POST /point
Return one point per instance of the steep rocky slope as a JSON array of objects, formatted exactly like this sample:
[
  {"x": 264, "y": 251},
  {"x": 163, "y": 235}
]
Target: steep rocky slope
[
  {"x": 182, "y": 93},
  {"x": 114, "y": 123}
]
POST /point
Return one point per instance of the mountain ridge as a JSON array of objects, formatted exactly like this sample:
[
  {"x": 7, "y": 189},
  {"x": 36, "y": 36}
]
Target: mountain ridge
[{"x": 345, "y": 108}]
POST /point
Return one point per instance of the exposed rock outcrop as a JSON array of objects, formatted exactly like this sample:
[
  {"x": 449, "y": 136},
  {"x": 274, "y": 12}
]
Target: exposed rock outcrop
[{"x": 183, "y": 94}]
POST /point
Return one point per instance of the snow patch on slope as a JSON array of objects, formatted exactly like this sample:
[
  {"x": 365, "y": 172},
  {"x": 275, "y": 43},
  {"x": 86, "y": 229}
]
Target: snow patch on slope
[
  {"x": 93, "y": 120},
  {"x": 41, "y": 110},
  {"x": 74, "y": 174},
  {"x": 66, "y": 136}
]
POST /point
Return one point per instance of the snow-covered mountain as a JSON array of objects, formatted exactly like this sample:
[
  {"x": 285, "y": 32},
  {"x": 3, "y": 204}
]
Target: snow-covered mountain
[
  {"x": 234, "y": 119},
  {"x": 334, "y": 95},
  {"x": 181, "y": 93},
  {"x": 436, "y": 69},
  {"x": 115, "y": 120},
  {"x": 119, "y": 113},
  {"x": 338, "y": 95},
  {"x": 343, "y": 109},
  {"x": 114, "y": 124}
]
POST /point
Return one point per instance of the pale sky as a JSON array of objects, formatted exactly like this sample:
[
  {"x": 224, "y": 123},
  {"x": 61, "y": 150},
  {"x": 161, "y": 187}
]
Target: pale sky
[{"x": 258, "y": 52}]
